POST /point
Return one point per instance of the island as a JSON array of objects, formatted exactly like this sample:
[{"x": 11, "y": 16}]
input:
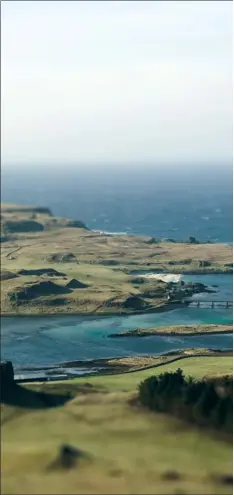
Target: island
[
  {"x": 175, "y": 330},
  {"x": 52, "y": 265}
]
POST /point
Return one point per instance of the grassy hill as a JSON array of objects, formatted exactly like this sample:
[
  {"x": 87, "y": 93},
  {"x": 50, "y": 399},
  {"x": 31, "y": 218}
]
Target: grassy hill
[{"x": 123, "y": 448}]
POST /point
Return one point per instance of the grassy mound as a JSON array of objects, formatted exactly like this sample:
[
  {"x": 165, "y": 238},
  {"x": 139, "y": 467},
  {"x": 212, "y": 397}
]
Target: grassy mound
[
  {"x": 76, "y": 284},
  {"x": 61, "y": 258},
  {"x": 101, "y": 442},
  {"x": 33, "y": 291}
]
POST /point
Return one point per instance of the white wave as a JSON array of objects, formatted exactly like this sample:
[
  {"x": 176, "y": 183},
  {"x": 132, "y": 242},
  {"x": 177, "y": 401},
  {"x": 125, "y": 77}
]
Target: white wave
[
  {"x": 205, "y": 218},
  {"x": 165, "y": 277},
  {"x": 110, "y": 233}
]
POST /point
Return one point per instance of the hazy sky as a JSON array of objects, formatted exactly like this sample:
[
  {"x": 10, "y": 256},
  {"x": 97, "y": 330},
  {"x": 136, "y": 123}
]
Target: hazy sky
[{"x": 116, "y": 81}]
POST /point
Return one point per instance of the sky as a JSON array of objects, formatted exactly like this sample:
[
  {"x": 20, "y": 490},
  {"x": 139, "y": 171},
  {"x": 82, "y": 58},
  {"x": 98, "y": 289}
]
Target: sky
[{"x": 116, "y": 82}]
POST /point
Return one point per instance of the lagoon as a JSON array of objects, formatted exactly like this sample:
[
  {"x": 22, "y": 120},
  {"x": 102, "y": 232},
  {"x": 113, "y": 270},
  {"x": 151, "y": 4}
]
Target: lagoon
[{"x": 49, "y": 340}]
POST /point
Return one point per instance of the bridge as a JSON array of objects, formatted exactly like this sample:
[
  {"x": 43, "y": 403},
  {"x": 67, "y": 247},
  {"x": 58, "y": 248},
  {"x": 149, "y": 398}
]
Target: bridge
[{"x": 199, "y": 303}]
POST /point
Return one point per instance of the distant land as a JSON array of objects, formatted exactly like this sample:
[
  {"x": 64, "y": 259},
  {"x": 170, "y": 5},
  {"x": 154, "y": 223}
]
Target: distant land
[{"x": 56, "y": 265}]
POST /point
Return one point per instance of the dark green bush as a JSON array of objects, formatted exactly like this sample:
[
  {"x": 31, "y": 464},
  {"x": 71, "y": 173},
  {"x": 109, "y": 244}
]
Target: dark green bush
[{"x": 203, "y": 402}]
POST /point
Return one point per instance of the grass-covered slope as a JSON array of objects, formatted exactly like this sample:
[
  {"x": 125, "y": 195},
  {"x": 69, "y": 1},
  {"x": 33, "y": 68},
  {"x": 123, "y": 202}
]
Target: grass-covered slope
[{"x": 120, "y": 446}]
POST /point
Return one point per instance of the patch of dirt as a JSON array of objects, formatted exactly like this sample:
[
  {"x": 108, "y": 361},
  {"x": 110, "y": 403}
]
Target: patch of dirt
[
  {"x": 68, "y": 457},
  {"x": 180, "y": 262},
  {"x": 59, "y": 301},
  {"x": 61, "y": 258},
  {"x": 224, "y": 479},
  {"x": 108, "y": 262},
  {"x": 171, "y": 476},
  {"x": 204, "y": 263}
]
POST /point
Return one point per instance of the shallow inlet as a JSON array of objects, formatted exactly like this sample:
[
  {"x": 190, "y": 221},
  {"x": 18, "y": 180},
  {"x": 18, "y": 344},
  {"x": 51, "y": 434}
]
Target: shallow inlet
[
  {"x": 44, "y": 341},
  {"x": 48, "y": 340}
]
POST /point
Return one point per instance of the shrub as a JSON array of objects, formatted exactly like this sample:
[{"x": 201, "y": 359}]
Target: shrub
[{"x": 197, "y": 401}]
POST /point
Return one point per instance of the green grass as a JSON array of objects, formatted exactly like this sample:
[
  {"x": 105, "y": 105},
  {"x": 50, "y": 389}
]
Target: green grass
[
  {"x": 131, "y": 448},
  {"x": 193, "y": 366}
]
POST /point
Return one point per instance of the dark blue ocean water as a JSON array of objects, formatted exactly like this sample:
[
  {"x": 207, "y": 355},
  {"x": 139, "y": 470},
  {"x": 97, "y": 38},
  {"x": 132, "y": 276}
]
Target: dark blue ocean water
[{"x": 155, "y": 201}]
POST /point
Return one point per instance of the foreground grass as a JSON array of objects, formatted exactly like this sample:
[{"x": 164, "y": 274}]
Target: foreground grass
[
  {"x": 192, "y": 366},
  {"x": 132, "y": 450}
]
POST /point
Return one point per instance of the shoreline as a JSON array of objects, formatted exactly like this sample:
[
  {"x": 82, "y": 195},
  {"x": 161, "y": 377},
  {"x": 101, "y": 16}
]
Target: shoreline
[
  {"x": 172, "y": 271},
  {"x": 145, "y": 275},
  {"x": 112, "y": 369},
  {"x": 160, "y": 309},
  {"x": 179, "y": 330},
  {"x": 162, "y": 334},
  {"x": 101, "y": 361}
]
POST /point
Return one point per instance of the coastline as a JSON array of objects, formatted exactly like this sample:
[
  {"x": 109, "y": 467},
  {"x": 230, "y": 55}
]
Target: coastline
[
  {"x": 111, "y": 365},
  {"x": 160, "y": 309},
  {"x": 172, "y": 334},
  {"x": 185, "y": 330},
  {"x": 83, "y": 279},
  {"x": 102, "y": 361},
  {"x": 181, "y": 272}
]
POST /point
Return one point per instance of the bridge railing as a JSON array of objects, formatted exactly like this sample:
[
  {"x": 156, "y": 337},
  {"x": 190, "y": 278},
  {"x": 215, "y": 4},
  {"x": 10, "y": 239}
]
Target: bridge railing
[{"x": 211, "y": 304}]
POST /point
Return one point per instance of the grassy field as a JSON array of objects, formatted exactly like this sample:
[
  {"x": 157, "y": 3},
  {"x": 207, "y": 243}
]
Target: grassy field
[
  {"x": 137, "y": 363},
  {"x": 131, "y": 450},
  {"x": 102, "y": 262},
  {"x": 194, "y": 366}
]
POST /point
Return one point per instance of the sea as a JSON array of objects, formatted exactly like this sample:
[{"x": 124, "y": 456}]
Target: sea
[
  {"x": 175, "y": 202},
  {"x": 162, "y": 202}
]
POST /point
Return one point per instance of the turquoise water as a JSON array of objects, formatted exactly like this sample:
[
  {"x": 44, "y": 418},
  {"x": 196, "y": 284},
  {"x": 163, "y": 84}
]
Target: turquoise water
[
  {"x": 150, "y": 201},
  {"x": 46, "y": 340},
  {"x": 49, "y": 340},
  {"x": 43, "y": 341},
  {"x": 153, "y": 202}
]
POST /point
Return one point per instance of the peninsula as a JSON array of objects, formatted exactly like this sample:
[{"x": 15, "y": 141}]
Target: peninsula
[{"x": 52, "y": 265}]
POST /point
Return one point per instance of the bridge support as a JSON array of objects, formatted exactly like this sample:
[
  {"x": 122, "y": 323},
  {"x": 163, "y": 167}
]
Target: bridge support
[{"x": 209, "y": 304}]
